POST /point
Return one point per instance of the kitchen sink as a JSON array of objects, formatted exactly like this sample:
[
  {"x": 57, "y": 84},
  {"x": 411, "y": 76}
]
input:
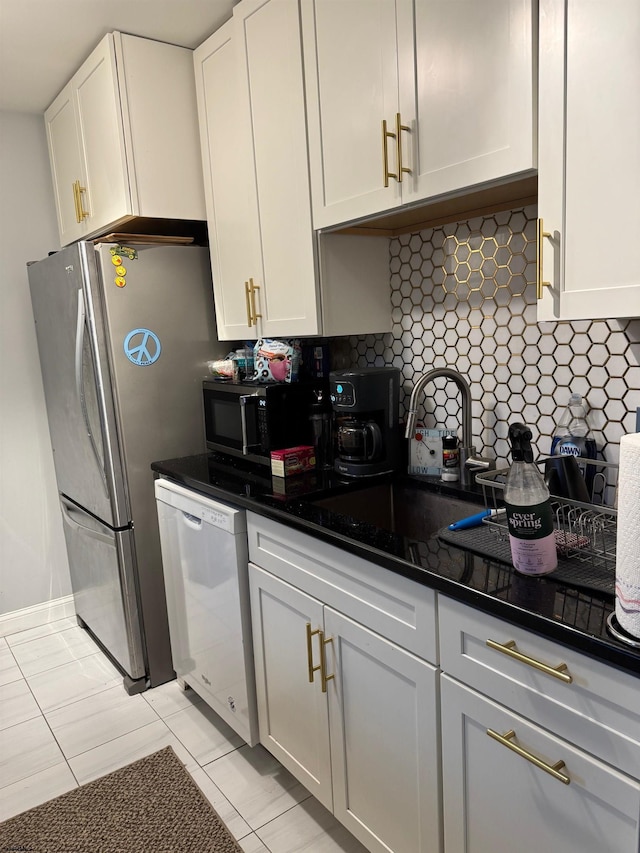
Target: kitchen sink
[{"x": 400, "y": 508}]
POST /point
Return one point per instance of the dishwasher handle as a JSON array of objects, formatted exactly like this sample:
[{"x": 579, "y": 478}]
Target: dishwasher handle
[{"x": 191, "y": 521}]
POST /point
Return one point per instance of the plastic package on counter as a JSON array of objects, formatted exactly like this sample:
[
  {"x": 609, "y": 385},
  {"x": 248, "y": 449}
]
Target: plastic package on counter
[
  {"x": 226, "y": 368},
  {"x": 276, "y": 361}
]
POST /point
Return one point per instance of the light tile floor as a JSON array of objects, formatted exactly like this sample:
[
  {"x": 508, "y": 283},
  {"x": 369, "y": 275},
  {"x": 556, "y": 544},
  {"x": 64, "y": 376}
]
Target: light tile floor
[{"x": 66, "y": 719}]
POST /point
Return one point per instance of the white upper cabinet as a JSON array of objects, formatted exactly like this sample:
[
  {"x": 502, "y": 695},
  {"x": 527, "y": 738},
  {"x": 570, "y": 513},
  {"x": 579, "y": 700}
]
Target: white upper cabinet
[
  {"x": 409, "y": 100},
  {"x": 123, "y": 138},
  {"x": 589, "y": 170},
  {"x": 469, "y": 97},
  {"x": 271, "y": 276},
  {"x": 273, "y": 117},
  {"x": 351, "y": 67},
  {"x": 232, "y": 212},
  {"x": 66, "y": 164},
  {"x": 104, "y": 196}
]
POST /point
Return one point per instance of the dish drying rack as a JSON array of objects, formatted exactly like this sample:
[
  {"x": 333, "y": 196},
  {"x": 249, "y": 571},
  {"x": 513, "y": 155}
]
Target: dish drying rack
[{"x": 585, "y": 532}]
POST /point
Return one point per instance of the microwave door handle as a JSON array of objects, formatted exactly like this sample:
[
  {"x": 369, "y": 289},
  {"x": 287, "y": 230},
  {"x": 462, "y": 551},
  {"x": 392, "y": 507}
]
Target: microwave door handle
[{"x": 244, "y": 399}]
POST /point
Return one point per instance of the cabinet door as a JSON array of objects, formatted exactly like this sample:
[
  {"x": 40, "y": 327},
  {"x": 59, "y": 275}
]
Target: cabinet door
[
  {"x": 589, "y": 179},
  {"x": 292, "y": 711},
  {"x": 384, "y": 740},
  {"x": 272, "y": 96},
  {"x": 469, "y": 98},
  {"x": 66, "y": 163},
  {"x": 227, "y": 162},
  {"x": 105, "y": 195},
  {"x": 352, "y": 85},
  {"x": 498, "y": 800}
]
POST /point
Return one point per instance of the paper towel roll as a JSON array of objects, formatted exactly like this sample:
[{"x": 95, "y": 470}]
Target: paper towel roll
[{"x": 628, "y": 536}]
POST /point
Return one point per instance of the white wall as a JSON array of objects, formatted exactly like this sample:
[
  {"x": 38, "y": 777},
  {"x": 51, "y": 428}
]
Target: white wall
[{"x": 33, "y": 560}]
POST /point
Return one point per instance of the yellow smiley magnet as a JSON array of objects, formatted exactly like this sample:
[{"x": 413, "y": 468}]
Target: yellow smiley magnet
[
  {"x": 121, "y": 271},
  {"x": 120, "y": 281},
  {"x": 116, "y": 260}
]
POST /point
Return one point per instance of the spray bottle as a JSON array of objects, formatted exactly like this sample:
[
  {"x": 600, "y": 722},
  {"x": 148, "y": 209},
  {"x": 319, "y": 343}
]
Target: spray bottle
[{"x": 529, "y": 513}]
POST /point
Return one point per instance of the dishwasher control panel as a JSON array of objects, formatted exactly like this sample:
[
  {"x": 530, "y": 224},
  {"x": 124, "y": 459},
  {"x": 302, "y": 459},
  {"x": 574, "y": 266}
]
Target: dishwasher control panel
[
  {"x": 212, "y": 516},
  {"x": 201, "y": 508}
]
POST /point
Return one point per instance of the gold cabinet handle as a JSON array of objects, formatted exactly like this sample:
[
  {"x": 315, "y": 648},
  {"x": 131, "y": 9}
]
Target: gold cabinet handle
[
  {"x": 76, "y": 200},
  {"x": 82, "y": 213},
  {"x": 310, "y": 665},
  {"x": 540, "y": 284},
  {"x": 399, "y": 128},
  {"x": 248, "y": 303},
  {"x": 511, "y": 651},
  {"x": 386, "y": 134},
  {"x": 252, "y": 291},
  {"x": 552, "y": 769},
  {"x": 323, "y": 661}
]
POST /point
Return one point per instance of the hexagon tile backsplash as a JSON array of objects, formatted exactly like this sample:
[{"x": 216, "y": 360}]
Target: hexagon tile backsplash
[{"x": 463, "y": 296}]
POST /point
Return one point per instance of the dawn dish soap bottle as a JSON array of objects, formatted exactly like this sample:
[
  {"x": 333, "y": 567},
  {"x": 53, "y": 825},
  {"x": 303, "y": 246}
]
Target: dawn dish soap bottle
[
  {"x": 573, "y": 437},
  {"x": 528, "y": 506}
]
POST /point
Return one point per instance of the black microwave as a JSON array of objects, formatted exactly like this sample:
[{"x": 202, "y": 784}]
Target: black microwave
[{"x": 251, "y": 420}]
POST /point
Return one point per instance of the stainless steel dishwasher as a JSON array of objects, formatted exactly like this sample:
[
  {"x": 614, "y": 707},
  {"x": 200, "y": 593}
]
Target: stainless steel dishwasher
[{"x": 205, "y": 563}]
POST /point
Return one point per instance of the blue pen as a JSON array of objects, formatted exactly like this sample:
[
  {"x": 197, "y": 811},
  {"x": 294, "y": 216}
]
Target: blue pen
[{"x": 475, "y": 520}]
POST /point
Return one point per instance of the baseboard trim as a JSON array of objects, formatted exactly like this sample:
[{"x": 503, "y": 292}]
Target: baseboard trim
[{"x": 36, "y": 615}]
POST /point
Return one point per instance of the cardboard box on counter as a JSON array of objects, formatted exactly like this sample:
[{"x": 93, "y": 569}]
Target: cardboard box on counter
[{"x": 292, "y": 460}]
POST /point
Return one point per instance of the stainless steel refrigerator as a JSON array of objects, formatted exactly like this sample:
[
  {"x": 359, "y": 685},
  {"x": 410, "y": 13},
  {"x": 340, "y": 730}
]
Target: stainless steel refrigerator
[{"x": 124, "y": 333}]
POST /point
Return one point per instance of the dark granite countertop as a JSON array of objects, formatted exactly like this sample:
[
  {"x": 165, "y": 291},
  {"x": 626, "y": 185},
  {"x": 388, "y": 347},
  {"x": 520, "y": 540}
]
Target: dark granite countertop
[{"x": 568, "y": 614}]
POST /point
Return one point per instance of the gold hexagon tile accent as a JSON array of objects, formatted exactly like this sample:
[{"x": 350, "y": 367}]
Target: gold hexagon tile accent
[{"x": 465, "y": 292}]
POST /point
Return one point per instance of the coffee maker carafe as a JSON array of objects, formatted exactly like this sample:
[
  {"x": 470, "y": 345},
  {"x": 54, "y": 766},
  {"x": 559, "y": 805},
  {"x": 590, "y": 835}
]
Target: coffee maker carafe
[
  {"x": 359, "y": 441},
  {"x": 365, "y": 405}
]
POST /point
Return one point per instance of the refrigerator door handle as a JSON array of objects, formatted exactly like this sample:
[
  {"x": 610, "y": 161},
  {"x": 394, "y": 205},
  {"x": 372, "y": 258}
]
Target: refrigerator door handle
[
  {"x": 89, "y": 531},
  {"x": 80, "y": 330}
]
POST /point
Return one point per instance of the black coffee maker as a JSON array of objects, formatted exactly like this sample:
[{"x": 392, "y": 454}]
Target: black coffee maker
[{"x": 365, "y": 405}]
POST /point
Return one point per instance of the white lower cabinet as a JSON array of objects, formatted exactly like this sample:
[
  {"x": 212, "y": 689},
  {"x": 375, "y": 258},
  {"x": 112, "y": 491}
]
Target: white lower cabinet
[
  {"x": 292, "y": 713},
  {"x": 383, "y": 722},
  {"x": 428, "y": 726},
  {"x": 351, "y": 714},
  {"x": 540, "y": 744},
  {"x": 510, "y": 785}
]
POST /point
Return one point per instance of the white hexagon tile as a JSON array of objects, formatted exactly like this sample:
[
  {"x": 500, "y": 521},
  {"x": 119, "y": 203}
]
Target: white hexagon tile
[{"x": 463, "y": 296}]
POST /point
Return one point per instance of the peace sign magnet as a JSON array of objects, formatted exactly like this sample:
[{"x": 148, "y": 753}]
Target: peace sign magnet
[{"x": 142, "y": 347}]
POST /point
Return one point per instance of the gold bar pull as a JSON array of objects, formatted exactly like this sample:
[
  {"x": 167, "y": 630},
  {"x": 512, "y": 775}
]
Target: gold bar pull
[
  {"x": 552, "y": 769},
  {"x": 323, "y": 662},
  {"x": 399, "y": 128},
  {"x": 76, "y": 204},
  {"x": 310, "y": 665},
  {"x": 248, "y": 302},
  {"x": 540, "y": 284},
  {"x": 83, "y": 213},
  {"x": 386, "y": 134},
  {"x": 252, "y": 289},
  {"x": 511, "y": 651}
]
